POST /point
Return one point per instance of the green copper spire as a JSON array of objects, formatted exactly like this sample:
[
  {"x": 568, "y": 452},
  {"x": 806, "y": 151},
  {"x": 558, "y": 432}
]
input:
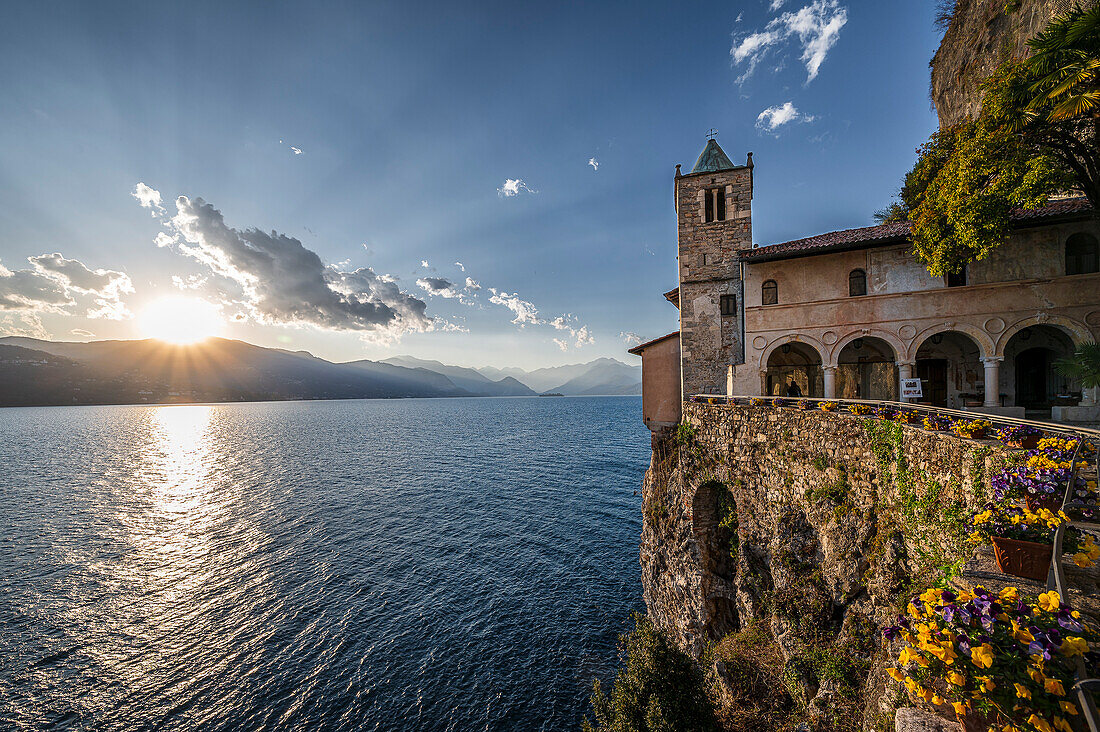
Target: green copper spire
[{"x": 712, "y": 159}]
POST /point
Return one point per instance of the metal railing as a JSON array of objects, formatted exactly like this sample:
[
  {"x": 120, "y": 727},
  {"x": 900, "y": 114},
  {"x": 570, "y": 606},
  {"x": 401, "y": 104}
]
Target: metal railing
[
  {"x": 995, "y": 419},
  {"x": 1084, "y": 687}
]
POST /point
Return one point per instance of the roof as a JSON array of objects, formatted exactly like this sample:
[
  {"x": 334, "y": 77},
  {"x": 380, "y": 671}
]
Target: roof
[
  {"x": 869, "y": 236},
  {"x": 673, "y": 296},
  {"x": 637, "y": 350},
  {"x": 712, "y": 159}
]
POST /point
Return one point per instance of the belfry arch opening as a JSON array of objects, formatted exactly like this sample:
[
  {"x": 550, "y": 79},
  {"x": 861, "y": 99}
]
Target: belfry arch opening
[
  {"x": 949, "y": 365},
  {"x": 795, "y": 364},
  {"x": 867, "y": 369}
]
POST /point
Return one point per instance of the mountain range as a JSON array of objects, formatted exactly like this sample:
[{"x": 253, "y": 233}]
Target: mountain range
[{"x": 39, "y": 372}]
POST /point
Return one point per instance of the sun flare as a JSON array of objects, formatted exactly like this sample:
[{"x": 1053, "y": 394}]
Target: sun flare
[{"x": 180, "y": 320}]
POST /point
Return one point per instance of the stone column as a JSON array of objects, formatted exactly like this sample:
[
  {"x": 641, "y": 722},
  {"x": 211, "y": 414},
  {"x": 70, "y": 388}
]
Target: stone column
[
  {"x": 830, "y": 382},
  {"x": 729, "y": 380},
  {"x": 764, "y": 382},
  {"x": 992, "y": 381},
  {"x": 905, "y": 371}
]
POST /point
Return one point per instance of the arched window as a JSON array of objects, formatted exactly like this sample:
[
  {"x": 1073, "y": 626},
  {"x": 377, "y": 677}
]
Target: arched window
[
  {"x": 857, "y": 283},
  {"x": 1082, "y": 254},
  {"x": 769, "y": 293}
]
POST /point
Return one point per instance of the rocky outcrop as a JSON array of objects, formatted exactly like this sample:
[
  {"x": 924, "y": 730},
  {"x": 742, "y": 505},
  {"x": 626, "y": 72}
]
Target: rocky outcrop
[
  {"x": 811, "y": 523},
  {"x": 982, "y": 34}
]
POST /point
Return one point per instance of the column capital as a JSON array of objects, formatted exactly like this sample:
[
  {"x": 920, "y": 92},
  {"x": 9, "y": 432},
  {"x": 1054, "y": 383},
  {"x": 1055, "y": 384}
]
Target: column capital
[
  {"x": 905, "y": 363},
  {"x": 830, "y": 367},
  {"x": 992, "y": 360}
]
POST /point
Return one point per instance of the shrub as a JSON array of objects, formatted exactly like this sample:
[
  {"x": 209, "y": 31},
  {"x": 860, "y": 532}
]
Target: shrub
[
  {"x": 685, "y": 433},
  {"x": 658, "y": 688}
]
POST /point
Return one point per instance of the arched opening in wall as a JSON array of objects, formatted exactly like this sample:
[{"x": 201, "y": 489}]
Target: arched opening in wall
[
  {"x": 714, "y": 526},
  {"x": 867, "y": 369},
  {"x": 795, "y": 364},
  {"x": 949, "y": 365},
  {"x": 1031, "y": 378}
]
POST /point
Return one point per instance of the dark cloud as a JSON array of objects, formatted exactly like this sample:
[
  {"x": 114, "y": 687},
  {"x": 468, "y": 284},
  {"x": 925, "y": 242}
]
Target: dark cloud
[
  {"x": 26, "y": 289},
  {"x": 281, "y": 281}
]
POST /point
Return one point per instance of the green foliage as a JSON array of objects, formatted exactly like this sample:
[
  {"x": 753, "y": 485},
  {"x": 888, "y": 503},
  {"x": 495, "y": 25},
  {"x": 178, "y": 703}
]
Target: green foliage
[
  {"x": 1037, "y": 134},
  {"x": 1083, "y": 366},
  {"x": 658, "y": 688},
  {"x": 753, "y": 669},
  {"x": 967, "y": 180},
  {"x": 835, "y": 490},
  {"x": 820, "y": 463},
  {"x": 685, "y": 434},
  {"x": 727, "y": 517}
]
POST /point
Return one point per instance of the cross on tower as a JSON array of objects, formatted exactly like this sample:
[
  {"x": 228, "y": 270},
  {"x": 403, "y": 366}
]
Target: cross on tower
[{"x": 712, "y": 133}]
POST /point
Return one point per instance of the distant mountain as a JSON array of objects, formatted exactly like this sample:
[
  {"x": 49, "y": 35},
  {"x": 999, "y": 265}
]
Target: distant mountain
[
  {"x": 604, "y": 376},
  {"x": 123, "y": 372},
  {"x": 469, "y": 379}
]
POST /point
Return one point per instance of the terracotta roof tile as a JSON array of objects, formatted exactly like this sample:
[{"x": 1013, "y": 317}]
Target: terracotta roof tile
[
  {"x": 637, "y": 350},
  {"x": 888, "y": 233}
]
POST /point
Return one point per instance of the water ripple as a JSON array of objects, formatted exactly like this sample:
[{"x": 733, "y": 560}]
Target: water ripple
[{"x": 369, "y": 565}]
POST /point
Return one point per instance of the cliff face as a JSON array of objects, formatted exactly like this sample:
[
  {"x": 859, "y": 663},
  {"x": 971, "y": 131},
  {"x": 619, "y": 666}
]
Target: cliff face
[
  {"x": 980, "y": 36},
  {"x": 810, "y": 527}
]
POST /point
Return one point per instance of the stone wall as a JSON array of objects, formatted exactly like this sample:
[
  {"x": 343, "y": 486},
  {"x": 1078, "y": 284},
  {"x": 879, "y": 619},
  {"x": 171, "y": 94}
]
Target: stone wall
[
  {"x": 709, "y": 268},
  {"x": 830, "y": 511},
  {"x": 980, "y": 36}
]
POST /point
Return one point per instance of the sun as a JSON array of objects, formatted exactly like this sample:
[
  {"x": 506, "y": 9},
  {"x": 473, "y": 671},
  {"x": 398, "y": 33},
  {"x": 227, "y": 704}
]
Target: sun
[{"x": 180, "y": 320}]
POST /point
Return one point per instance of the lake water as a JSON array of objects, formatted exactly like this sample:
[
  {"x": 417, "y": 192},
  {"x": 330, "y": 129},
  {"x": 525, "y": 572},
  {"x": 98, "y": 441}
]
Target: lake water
[{"x": 451, "y": 564}]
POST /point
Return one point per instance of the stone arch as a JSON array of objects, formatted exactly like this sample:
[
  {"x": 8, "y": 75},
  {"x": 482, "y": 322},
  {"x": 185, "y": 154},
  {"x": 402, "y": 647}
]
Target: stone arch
[
  {"x": 1078, "y": 332},
  {"x": 892, "y": 340},
  {"x": 793, "y": 360},
  {"x": 717, "y": 566},
  {"x": 866, "y": 368},
  {"x": 791, "y": 338},
  {"x": 986, "y": 347}
]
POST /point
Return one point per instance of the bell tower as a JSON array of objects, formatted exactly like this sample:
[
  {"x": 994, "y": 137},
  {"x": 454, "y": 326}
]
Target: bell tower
[{"x": 714, "y": 224}]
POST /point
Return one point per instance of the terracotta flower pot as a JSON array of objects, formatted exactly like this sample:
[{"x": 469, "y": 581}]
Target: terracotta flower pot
[
  {"x": 979, "y": 434},
  {"x": 1052, "y": 502},
  {"x": 1026, "y": 559},
  {"x": 1026, "y": 443}
]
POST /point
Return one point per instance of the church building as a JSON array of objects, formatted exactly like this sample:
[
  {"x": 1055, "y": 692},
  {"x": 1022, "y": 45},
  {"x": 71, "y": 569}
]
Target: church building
[{"x": 848, "y": 314}]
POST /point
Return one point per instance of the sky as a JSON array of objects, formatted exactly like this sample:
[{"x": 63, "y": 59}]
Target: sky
[{"x": 482, "y": 183}]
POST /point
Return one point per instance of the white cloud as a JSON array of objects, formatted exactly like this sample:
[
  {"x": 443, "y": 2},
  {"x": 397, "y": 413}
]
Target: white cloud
[
  {"x": 81, "y": 333},
  {"x": 424, "y": 264},
  {"x": 584, "y": 338},
  {"x": 738, "y": 18},
  {"x": 562, "y": 343},
  {"x": 296, "y": 150},
  {"x": 27, "y": 325},
  {"x": 472, "y": 284},
  {"x": 513, "y": 187},
  {"x": 524, "y": 311},
  {"x": 779, "y": 115},
  {"x": 439, "y": 286},
  {"x": 53, "y": 284},
  {"x": 274, "y": 279},
  {"x": 461, "y": 266},
  {"x": 630, "y": 338},
  {"x": 594, "y": 163},
  {"x": 816, "y": 25},
  {"x": 776, "y": 5},
  {"x": 148, "y": 198}
]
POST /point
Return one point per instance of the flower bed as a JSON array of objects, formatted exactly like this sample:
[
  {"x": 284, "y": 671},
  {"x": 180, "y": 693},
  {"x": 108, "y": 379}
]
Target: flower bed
[
  {"x": 828, "y": 406},
  {"x": 1020, "y": 436},
  {"x": 861, "y": 410},
  {"x": 938, "y": 423},
  {"x": 972, "y": 429},
  {"x": 994, "y": 656},
  {"x": 1008, "y": 527},
  {"x": 906, "y": 416}
]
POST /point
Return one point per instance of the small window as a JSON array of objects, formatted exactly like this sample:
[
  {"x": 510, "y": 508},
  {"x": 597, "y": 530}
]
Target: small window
[
  {"x": 769, "y": 293},
  {"x": 1082, "y": 254},
  {"x": 857, "y": 283},
  {"x": 957, "y": 279},
  {"x": 714, "y": 205},
  {"x": 728, "y": 304}
]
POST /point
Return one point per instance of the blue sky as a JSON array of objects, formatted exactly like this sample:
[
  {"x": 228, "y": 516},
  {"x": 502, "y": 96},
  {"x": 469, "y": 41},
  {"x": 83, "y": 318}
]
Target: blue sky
[{"x": 411, "y": 119}]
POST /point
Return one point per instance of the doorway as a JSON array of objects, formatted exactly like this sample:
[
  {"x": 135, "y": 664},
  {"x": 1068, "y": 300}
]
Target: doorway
[
  {"x": 1032, "y": 367},
  {"x": 932, "y": 373}
]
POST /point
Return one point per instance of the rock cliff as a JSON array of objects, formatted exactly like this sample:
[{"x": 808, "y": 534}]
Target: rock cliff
[
  {"x": 803, "y": 529},
  {"x": 982, "y": 34}
]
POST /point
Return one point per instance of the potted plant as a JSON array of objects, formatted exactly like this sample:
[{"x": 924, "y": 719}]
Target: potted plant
[
  {"x": 805, "y": 405},
  {"x": 973, "y": 429},
  {"x": 993, "y": 658},
  {"x": 907, "y": 416},
  {"x": 781, "y": 402},
  {"x": 1020, "y": 436},
  {"x": 1023, "y": 539},
  {"x": 885, "y": 413},
  {"x": 758, "y": 401},
  {"x": 938, "y": 422},
  {"x": 828, "y": 406},
  {"x": 861, "y": 410}
]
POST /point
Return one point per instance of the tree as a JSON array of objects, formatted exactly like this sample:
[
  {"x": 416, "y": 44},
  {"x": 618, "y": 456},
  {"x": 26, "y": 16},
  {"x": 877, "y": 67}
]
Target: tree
[
  {"x": 1083, "y": 366},
  {"x": 658, "y": 689},
  {"x": 1037, "y": 134}
]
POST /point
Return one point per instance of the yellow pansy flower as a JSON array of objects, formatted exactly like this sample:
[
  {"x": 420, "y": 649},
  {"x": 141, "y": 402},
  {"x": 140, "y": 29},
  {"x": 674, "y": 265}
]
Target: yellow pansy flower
[
  {"x": 1022, "y": 692},
  {"x": 982, "y": 657},
  {"x": 987, "y": 684},
  {"x": 1050, "y": 601},
  {"x": 1040, "y": 724},
  {"x": 1074, "y": 646},
  {"x": 895, "y": 674},
  {"x": 1062, "y": 725},
  {"x": 1009, "y": 594},
  {"x": 956, "y": 678},
  {"x": 1054, "y": 686},
  {"x": 961, "y": 708},
  {"x": 1068, "y": 708}
]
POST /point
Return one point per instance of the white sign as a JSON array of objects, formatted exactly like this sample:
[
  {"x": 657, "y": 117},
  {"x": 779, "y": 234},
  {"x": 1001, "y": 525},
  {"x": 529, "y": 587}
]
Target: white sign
[{"x": 910, "y": 388}]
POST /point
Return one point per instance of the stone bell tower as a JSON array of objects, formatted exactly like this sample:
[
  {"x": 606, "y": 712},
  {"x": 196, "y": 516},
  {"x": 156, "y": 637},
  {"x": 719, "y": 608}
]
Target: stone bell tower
[{"x": 714, "y": 224}]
